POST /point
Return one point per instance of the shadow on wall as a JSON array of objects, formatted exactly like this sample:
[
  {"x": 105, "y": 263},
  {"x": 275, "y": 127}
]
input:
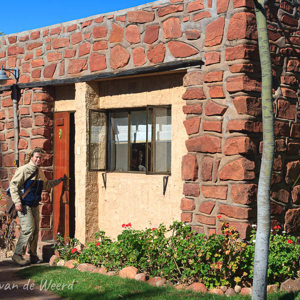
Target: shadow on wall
[{"x": 146, "y": 84}]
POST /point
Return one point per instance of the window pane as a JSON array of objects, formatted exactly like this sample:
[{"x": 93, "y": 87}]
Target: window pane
[
  {"x": 162, "y": 137},
  {"x": 118, "y": 142},
  {"x": 138, "y": 132},
  {"x": 97, "y": 155}
]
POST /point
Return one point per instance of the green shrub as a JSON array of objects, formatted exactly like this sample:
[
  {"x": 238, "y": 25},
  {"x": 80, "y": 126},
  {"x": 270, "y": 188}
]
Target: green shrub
[
  {"x": 68, "y": 249},
  {"x": 179, "y": 254}
]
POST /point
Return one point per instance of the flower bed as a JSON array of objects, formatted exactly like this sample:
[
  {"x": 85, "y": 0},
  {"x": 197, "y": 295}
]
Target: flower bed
[{"x": 181, "y": 256}]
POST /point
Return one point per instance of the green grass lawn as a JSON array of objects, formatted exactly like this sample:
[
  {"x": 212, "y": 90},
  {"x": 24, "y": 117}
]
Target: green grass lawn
[{"x": 84, "y": 285}]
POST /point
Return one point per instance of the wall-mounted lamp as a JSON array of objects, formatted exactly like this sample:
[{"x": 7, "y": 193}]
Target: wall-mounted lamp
[
  {"x": 15, "y": 95},
  {"x": 4, "y": 77}
]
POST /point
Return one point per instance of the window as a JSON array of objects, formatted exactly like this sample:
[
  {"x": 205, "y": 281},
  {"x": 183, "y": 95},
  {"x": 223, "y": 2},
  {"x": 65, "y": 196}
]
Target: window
[{"x": 135, "y": 140}]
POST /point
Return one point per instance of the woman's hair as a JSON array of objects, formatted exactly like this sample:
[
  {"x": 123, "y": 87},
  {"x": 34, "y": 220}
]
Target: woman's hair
[{"x": 31, "y": 153}]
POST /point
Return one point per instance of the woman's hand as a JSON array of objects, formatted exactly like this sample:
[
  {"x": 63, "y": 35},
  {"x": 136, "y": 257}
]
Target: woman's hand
[{"x": 18, "y": 207}]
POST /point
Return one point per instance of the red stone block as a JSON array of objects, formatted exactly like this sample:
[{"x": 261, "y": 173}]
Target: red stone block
[
  {"x": 41, "y": 143},
  {"x": 204, "y": 144},
  {"x": 248, "y": 105},
  {"x": 41, "y": 107},
  {"x": 12, "y": 39},
  {"x": 212, "y": 58},
  {"x": 222, "y": 6},
  {"x": 28, "y": 57},
  {"x": 180, "y": 49},
  {"x": 54, "y": 56},
  {"x": 140, "y": 16},
  {"x": 292, "y": 171},
  {"x": 24, "y": 133},
  {"x": 157, "y": 54},
  {"x": 56, "y": 30},
  {"x": 244, "y": 126},
  {"x": 192, "y": 125},
  {"x": 132, "y": 34},
  {"x": 72, "y": 28},
  {"x": 216, "y": 91},
  {"x": 191, "y": 189},
  {"x": 195, "y": 5},
  {"x": 41, "y": 131},
  {"x": 192, "y": 34},
  {"x": 76, "y": 38},
  {"x": 44, "y": 96},
  {"x": 117, "y": 33},
  {"x": 23, "y": 144},
  {"x": 295, "y": 130},
  {"x": 207, "y": 168},
  {"x": 289, "y": 20},
  {"x": 277, "y": 163},
  {"x": 213, "y": 76},
  {"x": 84, "y": 49},
  {"x": 293, "y": 65},
  {"x": 151, "y": 34},
  {"x": 192, "y": 109},
  {"x": 120, "y": 18},
  {"x": 189, "y": 167},
  {"x": 187, "y": 204},
  {"x": 197, "y": 287},
  {"x": 244, "y": 193},
  {"x": 239, "y": 169},
  {"x": 69, "y": 53},
  {"x": 241, "y": 3},
  {"x": 215, "y": 126},
  {"x": 99, "y": 32},
  {"x": 215, "y": 109},
  {"x": 193, "y": 93},
  {"x": 41, "y": 121},
  {"x": 192, "y": 78},
  {"x": 293, "y": 148},
  {"x": 37, "y": 63},
  {"x": 214, "y": 32},
  {"x": 186, "y": 217},
  {"x": 169, "y": 9},
  {"x": 119, "y": 57},
  {"x": 281, "y": 128},
  {"x": 101, "y": 45},
  {"x": 77, "y": 65},
  {"x": 206, "y": 220},
  {"x": 8, "y": 160},
  {"x": 60, "y": 43},
  {"x": 235, "y": 211},
  {"x": 241, "y": 52},
  {"x": 35, "y": 35},
  {"x": 288, "y": 93},
  {"x": 243, "y": 83},
  {"x": 24, "y": 38},
  {"x": 207, "y": 207},
  {"x": 97, "y": 62},
  {"x": 26, "y": 122},
  {"x": 239, "y": 145},
  {"x": 139, "y": 56},
  {"x": 50, "y": 70},
  {"x": 276, "y": 209},
  {"x": 172, "y": 28},
  {"x": 292, "y": 221},
  {"x": 86, "y": 23},
  {"x": 46, "y": 209},
  {"x": 296, "y": 194},
  {"x": 14, "y": 50},
  {"x": 213, "y": 191},
  {"x": 242, "y": 25},
  {"x": 201, "y": 15},
  {"x": 45, "y": 222}
]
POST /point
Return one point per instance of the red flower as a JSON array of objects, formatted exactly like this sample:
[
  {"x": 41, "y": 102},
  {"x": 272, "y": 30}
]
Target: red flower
[
  {"x": 219, "y": 216},
  {"x": 74, "y": 250},
  {"x": 98, "y": 244},
  {"x": 226, "y": 225},
  {"x": 290, "y": 241},
  {"x": 153, "y": 229},
  {"x": 277, "y": 227},
  {"x": 128, "y": 225},
  {"x": 123, "y": 225}
]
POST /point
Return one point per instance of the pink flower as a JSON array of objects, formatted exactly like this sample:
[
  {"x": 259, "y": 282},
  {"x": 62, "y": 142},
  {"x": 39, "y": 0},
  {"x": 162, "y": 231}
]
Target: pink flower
[
  {"x": 74, "y": 250},
  {"x": 98, "y": 244},
  {"x": 219, "y": 216},
  {"x": 290, "y": 241}
]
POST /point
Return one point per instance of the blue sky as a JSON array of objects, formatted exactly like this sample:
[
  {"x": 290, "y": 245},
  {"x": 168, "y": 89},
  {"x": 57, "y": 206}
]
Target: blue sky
[{"x": 22, "y": 15}]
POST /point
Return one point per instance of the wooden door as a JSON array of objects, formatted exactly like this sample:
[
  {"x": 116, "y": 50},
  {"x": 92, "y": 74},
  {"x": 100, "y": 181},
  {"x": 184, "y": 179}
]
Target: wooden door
[{"x": 61, "y": 167}]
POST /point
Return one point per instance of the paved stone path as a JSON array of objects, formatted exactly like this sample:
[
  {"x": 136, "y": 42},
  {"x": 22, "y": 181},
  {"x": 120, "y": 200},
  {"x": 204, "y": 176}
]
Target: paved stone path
[{"x": 12, "y": 287}]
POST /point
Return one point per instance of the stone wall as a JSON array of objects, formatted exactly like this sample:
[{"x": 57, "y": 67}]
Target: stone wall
[{"x": 220, "y": 170}]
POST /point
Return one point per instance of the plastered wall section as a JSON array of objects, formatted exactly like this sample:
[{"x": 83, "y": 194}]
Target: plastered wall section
[
  {"x": 138, "y": 198},
  {"x": 78, "y": 104}
]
